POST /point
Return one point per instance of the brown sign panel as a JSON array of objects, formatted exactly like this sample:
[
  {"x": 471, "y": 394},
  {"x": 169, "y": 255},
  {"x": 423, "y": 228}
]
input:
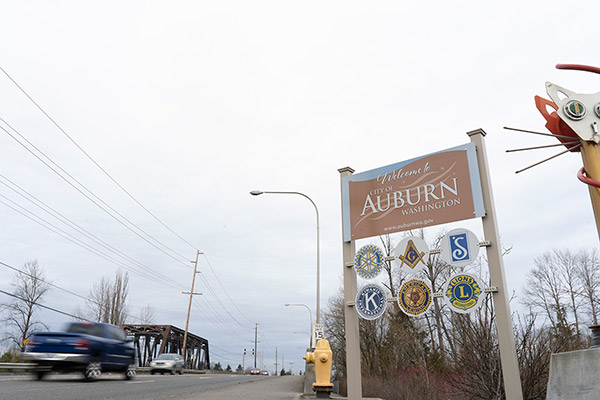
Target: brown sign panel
[{"x": 435, "y": 189}]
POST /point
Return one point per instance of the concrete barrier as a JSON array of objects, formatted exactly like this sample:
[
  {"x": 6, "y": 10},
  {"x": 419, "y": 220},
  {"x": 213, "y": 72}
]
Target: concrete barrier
[{"x": 574, "y": 375}]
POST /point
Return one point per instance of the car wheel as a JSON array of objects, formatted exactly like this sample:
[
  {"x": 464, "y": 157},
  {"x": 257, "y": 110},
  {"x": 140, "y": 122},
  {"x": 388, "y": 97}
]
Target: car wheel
[
  {"x": 130, "y": 372},
  {"x": 39, "y": 375},
  {"x": 92, "y": 371}
]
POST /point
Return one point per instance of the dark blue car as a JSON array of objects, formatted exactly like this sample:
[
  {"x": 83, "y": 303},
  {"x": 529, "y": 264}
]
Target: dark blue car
[{"x": 84, "y": 347}]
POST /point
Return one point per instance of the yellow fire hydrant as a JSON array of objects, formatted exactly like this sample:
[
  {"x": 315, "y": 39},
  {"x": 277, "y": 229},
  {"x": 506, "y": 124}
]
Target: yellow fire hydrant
[{"x": 321, "y": 358}]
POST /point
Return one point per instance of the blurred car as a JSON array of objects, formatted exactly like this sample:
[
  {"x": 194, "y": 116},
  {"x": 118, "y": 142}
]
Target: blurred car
[
  {"x": 264, "y": 372},
  {"x": 167, "y": 362},
  {"x": 255, "y": 371}
]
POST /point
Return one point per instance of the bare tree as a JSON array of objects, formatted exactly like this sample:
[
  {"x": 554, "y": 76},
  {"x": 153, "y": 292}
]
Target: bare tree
[
  {"x": 571, "y": 278},
  {"x": 565, "y": 286},
  {"x": 545, "y": 289},
  {"x": 147, "y": 315},
  {"x": 30, "y": 286},
  {"x": 107, "y": 301},
  {"x": 589, "y": 274}
]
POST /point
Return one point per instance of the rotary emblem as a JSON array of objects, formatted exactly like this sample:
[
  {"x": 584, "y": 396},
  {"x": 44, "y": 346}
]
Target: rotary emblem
[
  {"x": 463, "y": 293},
  {"x": 414, "y": 297},
  {"x": 368, "y": 261}
]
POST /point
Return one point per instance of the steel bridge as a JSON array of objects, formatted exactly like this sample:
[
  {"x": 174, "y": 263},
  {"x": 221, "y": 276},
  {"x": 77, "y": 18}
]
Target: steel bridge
[{"x": 153, "y": 340}]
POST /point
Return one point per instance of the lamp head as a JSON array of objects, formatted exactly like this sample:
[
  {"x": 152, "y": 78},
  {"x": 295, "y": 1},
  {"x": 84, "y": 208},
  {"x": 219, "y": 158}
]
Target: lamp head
[{"x": 256, "y": 192}]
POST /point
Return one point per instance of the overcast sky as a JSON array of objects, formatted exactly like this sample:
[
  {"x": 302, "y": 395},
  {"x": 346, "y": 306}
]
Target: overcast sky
[{"x": 190, "y": 105}]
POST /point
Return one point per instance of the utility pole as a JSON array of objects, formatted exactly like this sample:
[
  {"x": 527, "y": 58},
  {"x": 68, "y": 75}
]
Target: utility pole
[
  {"x": 275, "y": 361},
  {"x": 187, "y": 321},
  {"x": 283, "y": 363},
  {"x": 255, "y": 340}
]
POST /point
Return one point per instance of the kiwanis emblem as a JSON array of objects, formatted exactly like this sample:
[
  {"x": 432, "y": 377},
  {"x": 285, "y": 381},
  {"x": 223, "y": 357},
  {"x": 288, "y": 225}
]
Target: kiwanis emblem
[
  {"x": 371, "y": 301},
  {"x": 411, "y": 254},
  {"x": 368, "y": 261},
  {"x": 414, "y": 297},
  {"x": 463, "y": 293}
]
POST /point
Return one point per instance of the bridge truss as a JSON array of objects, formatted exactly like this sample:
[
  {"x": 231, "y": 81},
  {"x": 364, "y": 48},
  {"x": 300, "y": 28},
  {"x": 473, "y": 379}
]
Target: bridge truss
[{"x": 153, "y": 340}]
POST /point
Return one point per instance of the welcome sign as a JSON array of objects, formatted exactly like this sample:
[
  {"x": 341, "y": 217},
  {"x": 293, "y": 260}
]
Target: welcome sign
[{"x": 434, "y": 189}]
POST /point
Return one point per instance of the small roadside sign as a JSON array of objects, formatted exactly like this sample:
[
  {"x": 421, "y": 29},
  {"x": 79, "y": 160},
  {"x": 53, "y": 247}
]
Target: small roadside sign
[{"x": 318, "y": 333}]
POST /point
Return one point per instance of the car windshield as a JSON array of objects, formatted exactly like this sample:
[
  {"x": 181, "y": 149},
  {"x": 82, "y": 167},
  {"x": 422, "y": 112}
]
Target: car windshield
[
  {"x": 168, "y": 357},
  {"x": 86, "y": 329}
]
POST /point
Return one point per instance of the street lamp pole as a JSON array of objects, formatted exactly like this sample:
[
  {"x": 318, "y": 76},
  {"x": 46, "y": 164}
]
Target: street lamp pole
[
  {"x": 258, "y": 193},
  {"x": 301, "y": 305}
]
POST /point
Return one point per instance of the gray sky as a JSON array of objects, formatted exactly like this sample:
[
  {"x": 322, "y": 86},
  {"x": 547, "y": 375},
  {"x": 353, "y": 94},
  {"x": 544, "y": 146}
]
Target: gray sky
[{"x": 190, "y": 105}]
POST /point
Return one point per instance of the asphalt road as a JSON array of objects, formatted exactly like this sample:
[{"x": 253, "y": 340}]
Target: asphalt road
[{"x": 144, "y": 387}]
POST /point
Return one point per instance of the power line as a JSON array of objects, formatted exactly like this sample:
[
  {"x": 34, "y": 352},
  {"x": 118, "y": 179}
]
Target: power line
[
  {"x": 44, "y": 306},
  {"x": 76, "y": 241},
  {"x": 61, "y": 288},
  {"x": 92, "y": 194},
  {"x": 224, "y": 290},
  {"x": 54, "y": 213},
  {"x": 92, "y": 160}
]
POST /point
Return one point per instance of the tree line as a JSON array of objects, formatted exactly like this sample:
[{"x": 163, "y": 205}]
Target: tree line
[
  {"x": 106, "y": 302},
  {"x": 443, "y": 354}
]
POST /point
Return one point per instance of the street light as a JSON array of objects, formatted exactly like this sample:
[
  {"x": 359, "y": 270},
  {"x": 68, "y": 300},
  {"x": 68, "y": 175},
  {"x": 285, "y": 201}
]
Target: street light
[
  {"x": 258, "y": 193},
  {"x": 301, "y": 305}
]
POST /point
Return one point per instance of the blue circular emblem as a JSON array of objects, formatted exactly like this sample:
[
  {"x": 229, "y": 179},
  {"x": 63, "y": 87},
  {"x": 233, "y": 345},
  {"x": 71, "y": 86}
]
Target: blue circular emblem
[
  {"x": 414, "y": 297},
  {"x": 368, "y": 262},
  {"x": 463, "y": 293},
  {"x": 371, "y": 301}
]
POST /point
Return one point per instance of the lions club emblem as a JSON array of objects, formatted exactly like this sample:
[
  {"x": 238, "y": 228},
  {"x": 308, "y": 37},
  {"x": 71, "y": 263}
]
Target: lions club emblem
[
  {"x": 414, "y": 297},
  {"x": 463, "y": 293}
]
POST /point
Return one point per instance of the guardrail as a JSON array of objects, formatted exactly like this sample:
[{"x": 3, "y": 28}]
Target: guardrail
[{"x": 19, "y": 366}]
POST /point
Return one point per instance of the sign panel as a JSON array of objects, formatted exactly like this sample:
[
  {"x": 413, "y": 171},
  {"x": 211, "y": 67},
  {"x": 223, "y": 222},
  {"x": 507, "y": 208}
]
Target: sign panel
[
  {"x": 463, "y": 293},
  {"x": 434, "y": 189},
  {"x": 411, "y": 254},
  {"x": 368, "y": 262},
  {"x": 459, "y": 247},
  {"x": 371, "y": 301},
  {"x": 318, "y": 333},
  {"x": 414, "y": 297}
]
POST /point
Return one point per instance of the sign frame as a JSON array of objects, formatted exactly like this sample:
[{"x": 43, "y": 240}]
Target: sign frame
[{"x": 384, "y": 178}]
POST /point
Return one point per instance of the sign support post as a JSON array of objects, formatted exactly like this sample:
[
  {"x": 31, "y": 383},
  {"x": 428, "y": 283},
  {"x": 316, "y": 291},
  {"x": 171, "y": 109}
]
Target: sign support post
[
  {"x": 508, "y": 354},
  {"x": 353, "y": 370}
]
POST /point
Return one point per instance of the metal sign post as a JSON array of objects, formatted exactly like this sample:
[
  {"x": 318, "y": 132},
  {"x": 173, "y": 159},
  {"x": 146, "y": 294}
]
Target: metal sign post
[
  {"x": 353, "y": 372},
  {"x": 508, "y": 353}
]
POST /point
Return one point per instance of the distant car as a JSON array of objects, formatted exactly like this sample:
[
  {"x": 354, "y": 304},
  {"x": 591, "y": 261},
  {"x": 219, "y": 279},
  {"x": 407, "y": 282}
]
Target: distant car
[
  {"x": 264, "y": 372},
  {"x": 255, "y": 371},
  {"x": 167, "y": 362}
]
